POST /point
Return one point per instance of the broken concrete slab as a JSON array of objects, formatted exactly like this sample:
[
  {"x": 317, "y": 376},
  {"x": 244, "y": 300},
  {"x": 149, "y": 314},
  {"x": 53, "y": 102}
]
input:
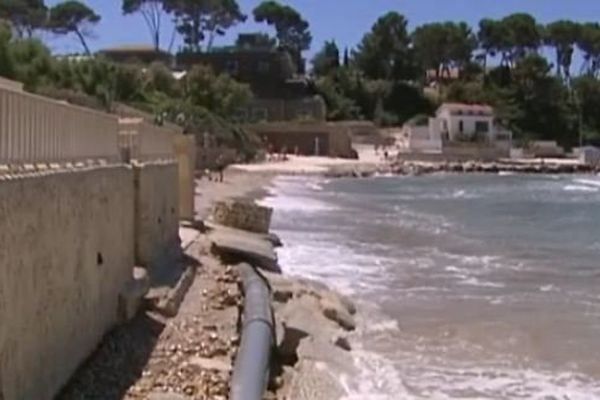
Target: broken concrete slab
[
  {"x": 269, "y": 237},
  {"x": 245, "y": 247}
]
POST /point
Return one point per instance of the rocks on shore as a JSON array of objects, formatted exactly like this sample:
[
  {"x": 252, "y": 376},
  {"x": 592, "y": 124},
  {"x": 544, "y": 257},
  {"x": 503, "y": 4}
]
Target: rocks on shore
[{"x": 313, "y": 322}]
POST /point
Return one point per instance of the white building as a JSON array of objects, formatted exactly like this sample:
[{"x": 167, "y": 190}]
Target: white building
[{"x": 455, "y": 123}]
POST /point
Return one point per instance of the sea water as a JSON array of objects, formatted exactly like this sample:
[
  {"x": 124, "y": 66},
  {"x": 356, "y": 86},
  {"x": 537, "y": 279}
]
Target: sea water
[{"x": 468, "y": 286}]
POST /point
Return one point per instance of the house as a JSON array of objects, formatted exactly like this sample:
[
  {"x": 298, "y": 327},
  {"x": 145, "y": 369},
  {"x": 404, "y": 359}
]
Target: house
[
  {"x": 136, "y": 54},
  {"x": 281, "y": 92},
  {"x": 461, "y": 130},
  {"x": 589, "y": 155}
]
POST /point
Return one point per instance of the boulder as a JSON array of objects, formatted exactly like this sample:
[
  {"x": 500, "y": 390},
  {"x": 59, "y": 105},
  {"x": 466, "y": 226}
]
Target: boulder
[
  {"x": 343, "y": 343},
  {"x": 334, "y": 310}
]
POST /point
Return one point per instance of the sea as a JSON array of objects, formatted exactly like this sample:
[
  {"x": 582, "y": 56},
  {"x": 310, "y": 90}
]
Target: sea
[{"x": 468, "y": 286}]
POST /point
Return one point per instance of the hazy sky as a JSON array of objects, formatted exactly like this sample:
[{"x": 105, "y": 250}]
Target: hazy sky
[{"x": 343, "y": 20}]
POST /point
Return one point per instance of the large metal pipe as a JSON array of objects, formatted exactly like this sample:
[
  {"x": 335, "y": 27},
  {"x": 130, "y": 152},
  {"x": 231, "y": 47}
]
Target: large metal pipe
[{"x": 251, "y": 369}]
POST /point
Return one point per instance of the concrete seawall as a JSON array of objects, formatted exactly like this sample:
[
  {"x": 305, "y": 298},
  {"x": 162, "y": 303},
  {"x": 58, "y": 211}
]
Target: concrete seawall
[
  {"x": 66, "y": 250},
  {"x": 68, "y": 243},
  {"x": 156, "y": 212}
]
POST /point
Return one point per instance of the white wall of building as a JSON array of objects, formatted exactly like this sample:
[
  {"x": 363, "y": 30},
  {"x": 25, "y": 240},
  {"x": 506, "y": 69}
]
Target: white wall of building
[
  {"x": 426, "y": 139},
  {"x": 452, "y": 123}
]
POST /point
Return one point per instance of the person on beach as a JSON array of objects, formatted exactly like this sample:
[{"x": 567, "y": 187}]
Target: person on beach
[{"x": 220, "y": 167}]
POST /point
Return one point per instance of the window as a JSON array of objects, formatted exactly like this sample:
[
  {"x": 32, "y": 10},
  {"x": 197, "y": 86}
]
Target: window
[
  {"x": 461, "y": 126},
  {"x": 260, "y": 114},
  {"x": 263, "y": 67},
  {"x": 482, "y": 126},
  {"x": 232, "y": 67}
]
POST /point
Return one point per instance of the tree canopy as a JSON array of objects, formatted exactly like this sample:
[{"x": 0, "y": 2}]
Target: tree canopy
[
  {"x": 197, "y": 20},
  {"x": 384, "y": 52},
  {"x": 291, "y": 29},
  {"x": 327, "y": 59},
  {"x": 151, "y": 11},
  {"x": 75, "y": 17},
  {"x": 26, "y": 16}
]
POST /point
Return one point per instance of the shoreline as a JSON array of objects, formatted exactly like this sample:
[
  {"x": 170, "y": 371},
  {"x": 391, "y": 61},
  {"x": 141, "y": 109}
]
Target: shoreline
[{"x": 313, "y": 320}]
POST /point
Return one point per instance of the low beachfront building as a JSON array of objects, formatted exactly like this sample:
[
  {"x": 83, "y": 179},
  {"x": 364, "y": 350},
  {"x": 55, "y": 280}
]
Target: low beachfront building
[{"x": 469, "y": 129}]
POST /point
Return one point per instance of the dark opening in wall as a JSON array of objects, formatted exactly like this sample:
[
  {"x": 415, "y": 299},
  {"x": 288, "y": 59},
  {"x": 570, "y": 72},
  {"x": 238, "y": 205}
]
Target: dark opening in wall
[{"x": 99, "y": 260}]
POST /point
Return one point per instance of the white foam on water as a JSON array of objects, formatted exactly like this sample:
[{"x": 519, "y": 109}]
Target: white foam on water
[
  {"x": 588, "y": 182},
  {"x": 581, "y": 188},
  {"x": 473, "y": 281}
]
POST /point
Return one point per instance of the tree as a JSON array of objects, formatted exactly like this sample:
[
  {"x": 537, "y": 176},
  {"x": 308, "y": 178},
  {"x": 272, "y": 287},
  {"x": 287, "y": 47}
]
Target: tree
[
  {"x": 440, "y": 46},
  {"x": 218, "y": 93},
  {"x": 384, "y": 52},
  {"x": 562, "y": 35},
  {"x": 513, "y": 37},
  {"x": 198, "y": 19},
  {"x": 7, "y": 65},
  {"x": 589, "y": 44},
  {"x": 223, "y": 15},
  {"x": 25, "y": 15},
  {"x": 73, "y": 17},
  {"x": 256, "y": 40},
  {"x": 493, "y": 39},
  {"x": 291, "y": 29},
  {"x": 326, "y": 60},
  {"x": 524, "y": 35},
  {"x": 151, "y": 11}
]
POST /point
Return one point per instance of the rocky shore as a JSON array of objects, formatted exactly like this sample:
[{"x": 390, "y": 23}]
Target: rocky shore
[
  {"x": 412, "y": 168},
  {"x": 312, "y": 323}
]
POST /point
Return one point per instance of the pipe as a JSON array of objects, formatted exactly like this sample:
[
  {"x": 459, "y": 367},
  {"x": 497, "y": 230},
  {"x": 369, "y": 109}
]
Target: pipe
[{"x": 251, "y": 369}]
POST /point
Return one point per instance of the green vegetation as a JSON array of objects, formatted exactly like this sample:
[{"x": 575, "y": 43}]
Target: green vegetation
[{"x": 392, "y": 75}]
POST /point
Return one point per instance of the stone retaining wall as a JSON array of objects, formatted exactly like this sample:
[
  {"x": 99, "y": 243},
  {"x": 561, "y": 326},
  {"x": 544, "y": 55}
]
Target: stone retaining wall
[{"x": 243, "y": 215}]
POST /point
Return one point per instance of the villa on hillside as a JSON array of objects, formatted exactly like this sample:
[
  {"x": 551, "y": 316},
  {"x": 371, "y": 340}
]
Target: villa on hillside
[
  {"x": 466, "y": 129},
  {"x": 281, "y": 90}
]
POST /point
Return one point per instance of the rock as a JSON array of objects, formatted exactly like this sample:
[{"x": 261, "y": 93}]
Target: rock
[
  {"x": 288, "y": 347},
  {"x": 274, "y": 239},
  {"x": 210, "y": 364},
  {"x": 166, "y": 396},
  {"x": 343, "y": 343},
  {"x": 346, "y": 302},
  {"x": 169, "y": 305},
  {"x": 131, "y": 297},
  {"x": 335, "y": 311}
]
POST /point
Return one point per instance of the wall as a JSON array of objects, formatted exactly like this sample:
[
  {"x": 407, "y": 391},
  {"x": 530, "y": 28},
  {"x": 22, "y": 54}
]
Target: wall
[
  {"x": 140, "y": 140},
  {"x": 468, "y": 123},
  {"x": 334, "y": 140},
  {"x": 41, "y": 130},
  {"x": 273, "y": 110},
  {"x": 66, "y": 251},
  {"x": 185, "y": 150},
  {"x": 156, "y": 212},
  {"x": 425, "y": 138}
]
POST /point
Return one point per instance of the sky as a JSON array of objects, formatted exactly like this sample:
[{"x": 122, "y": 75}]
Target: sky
[{"x": 346, "y": 21}]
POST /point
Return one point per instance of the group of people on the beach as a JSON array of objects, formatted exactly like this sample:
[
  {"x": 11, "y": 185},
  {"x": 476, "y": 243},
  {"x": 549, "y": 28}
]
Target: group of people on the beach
[{"x": 218, "y": 170}]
